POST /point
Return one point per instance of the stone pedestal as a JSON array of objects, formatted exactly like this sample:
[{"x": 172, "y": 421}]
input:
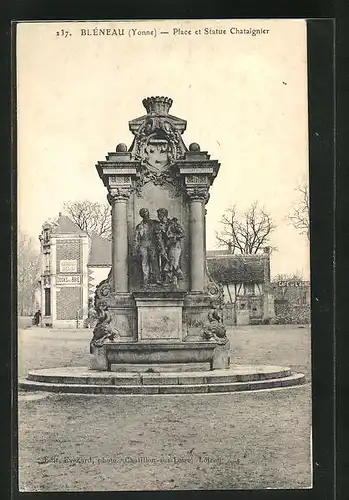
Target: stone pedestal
[{"x": 159, "y": 316}]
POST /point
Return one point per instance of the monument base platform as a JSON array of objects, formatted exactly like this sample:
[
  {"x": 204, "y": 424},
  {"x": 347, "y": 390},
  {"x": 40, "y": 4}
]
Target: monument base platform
[
  {"x": 81, "y": 380},
  {"x": 160, "y": 367}
]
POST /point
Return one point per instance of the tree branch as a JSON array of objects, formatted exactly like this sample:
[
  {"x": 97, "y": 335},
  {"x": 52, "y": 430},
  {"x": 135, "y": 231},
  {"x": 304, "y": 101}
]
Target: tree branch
[{"x": 247, "y": 234}]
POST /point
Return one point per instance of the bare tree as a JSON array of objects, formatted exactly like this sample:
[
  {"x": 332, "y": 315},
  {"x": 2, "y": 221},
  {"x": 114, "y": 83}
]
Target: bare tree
[
  {"x": 299, "y": 216},
  {"x": 91, "y": 217},
  {"x": 28, "y": 273},
  {"x": 246, "y": 234}
]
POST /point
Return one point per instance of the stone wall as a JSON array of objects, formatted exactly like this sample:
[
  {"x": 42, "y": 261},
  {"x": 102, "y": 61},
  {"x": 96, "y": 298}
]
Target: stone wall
[
  {"x": 69, "y": 250},
  {"x": 287, "y": 313},
  {"x": 69, "y": 302}
]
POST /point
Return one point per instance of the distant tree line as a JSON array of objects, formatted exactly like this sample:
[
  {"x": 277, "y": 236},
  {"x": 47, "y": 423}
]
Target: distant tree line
[{"x": 28, "y": 273}]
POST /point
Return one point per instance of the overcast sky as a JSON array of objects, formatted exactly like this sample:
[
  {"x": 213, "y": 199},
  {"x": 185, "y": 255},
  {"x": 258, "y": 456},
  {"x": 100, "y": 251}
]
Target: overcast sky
[{"x": 244, "y": 98}]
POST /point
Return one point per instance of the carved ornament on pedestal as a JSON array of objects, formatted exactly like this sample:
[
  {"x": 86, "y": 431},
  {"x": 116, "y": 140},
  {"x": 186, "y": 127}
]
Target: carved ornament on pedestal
[
  {"x": 104, "y": 291},
  {"x": 118, "y": 194},
  {"x": 198, "y": 194}
]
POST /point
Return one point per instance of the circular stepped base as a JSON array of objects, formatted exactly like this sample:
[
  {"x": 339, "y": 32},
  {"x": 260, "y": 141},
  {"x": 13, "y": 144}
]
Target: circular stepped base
[{"x": 83, "y": 381}]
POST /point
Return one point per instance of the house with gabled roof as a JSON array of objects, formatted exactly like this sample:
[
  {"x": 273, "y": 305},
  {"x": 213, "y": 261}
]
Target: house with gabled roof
[
  {"x": 64, "y": 276},
  {"x": 72, "y": 264},
  {"x": 248, "y": 294}
]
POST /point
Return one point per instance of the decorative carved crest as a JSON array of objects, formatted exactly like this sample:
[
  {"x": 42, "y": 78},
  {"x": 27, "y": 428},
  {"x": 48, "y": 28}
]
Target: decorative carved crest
[
  {"x": 161, "y": 178},
  {"x": 158, "y": 139},
  {"x": 158, "y": 143}
]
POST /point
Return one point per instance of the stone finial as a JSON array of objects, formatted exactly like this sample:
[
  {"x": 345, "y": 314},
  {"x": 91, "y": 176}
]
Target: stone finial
[
  {"x": 121, "y": 148},
  {"x": 158, "y": 105},
  {"x": 194, "y": 147}
]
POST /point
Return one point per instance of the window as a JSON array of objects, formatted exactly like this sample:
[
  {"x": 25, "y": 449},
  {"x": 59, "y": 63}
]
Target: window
[
  {"x": 249, "y": 289},
  {"x": 47, "y": 301},
  {"x": 47, "y": 261}
]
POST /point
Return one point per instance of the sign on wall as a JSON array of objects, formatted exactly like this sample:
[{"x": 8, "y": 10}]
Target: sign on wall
[
  {"x": 68, "y": 266},
  {"x": 68, "y": 280},
  {"x": 295, "y": 284}
]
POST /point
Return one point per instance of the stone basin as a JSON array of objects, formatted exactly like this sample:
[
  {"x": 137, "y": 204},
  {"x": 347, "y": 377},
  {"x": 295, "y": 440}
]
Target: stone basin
[{"x": 138, "y": 353}]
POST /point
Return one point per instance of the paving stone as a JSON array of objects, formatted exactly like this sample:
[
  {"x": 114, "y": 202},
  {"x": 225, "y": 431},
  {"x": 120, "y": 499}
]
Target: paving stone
[
  {"x": 130, "y": 389},
  {"x": 227, "y": 387},
  {"x": 221, "y": 379},
  {"x": 191, "y": 380},
  {"x": 127, "y": 381},
  {"x": 153, "y": 379},
  {"x": 182, "y": 389}
]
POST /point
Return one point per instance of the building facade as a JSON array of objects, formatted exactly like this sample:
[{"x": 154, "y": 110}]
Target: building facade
[
  {"x": 64, "y": 276},
  {"x": 72, "y": 265}
]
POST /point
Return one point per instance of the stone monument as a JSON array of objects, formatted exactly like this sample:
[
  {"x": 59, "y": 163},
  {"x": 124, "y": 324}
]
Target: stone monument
[{"x": 159, "y": 310}]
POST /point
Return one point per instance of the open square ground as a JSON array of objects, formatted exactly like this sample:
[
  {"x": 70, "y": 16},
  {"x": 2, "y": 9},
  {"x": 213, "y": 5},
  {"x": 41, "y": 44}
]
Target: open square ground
[{"x": 229, "y": 441}]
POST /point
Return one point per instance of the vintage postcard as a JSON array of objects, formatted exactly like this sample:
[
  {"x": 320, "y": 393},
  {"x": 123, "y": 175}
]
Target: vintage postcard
[{"x": 163, "y": 255}]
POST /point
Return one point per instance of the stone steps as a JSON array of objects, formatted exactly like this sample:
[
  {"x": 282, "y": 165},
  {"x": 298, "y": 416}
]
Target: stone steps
[
  {"x": 193, "y": 383},
  {"x": 80, "y": 375}
]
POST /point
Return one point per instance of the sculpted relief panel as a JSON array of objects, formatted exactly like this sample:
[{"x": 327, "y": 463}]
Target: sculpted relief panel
[
  {"x": 168, "y": 256},
  {"x": 157, "y": 249}
]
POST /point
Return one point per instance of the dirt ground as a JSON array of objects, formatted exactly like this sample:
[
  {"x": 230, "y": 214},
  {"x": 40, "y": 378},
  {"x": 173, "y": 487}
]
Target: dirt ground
[{"x": 95, "y": 442}]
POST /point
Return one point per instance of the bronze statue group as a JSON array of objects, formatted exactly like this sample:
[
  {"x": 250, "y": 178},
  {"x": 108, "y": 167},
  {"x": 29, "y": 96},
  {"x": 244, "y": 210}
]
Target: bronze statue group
[{"x": 157, "y": 246}]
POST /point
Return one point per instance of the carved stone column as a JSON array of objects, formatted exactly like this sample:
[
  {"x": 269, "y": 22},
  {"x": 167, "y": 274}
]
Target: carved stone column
[
  {"x": 117, "y": 174},
  {"x": 197, "y": 200},
  {"x": 118, "y": 198}
]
